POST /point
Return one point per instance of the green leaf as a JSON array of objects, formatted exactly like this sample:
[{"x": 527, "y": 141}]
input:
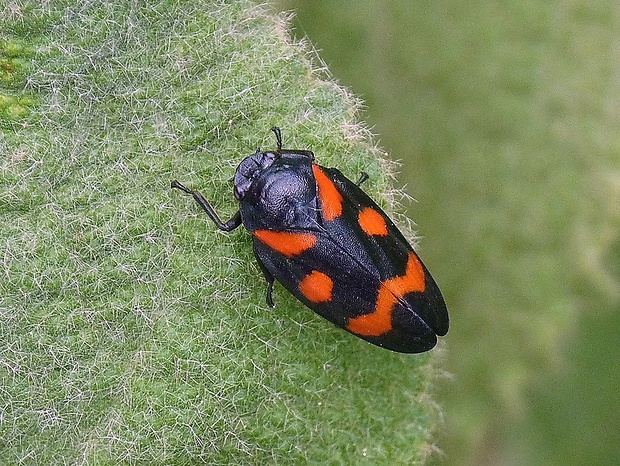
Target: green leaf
[{"x": 132, "y": 330}]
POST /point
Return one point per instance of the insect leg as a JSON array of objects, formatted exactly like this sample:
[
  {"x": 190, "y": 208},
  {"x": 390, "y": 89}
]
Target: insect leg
[
  {"x": 269, "y": 278},
  {"x": 278, "y": 134},
  {"x": 363, "y": 177},
  {"x": 230, "y": 225}
]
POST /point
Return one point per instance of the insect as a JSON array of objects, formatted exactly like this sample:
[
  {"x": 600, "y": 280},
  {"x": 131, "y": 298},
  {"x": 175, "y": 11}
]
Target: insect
[{"x": 320, "y": 236}]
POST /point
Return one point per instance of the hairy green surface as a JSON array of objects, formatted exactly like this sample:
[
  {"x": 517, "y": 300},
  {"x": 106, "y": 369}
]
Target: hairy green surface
[{"x": 131, "y": 330}]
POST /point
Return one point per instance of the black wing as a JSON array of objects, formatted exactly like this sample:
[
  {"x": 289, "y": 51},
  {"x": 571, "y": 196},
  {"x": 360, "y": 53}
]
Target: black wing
[{"x": 372, "y": 285}]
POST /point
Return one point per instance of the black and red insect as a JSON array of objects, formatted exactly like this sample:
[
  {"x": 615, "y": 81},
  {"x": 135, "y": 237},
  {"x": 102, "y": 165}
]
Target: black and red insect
[{"x": 319, "y": 235}]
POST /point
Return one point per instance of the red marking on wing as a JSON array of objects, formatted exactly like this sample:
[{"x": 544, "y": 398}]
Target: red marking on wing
[
  {"x": 331, "y": 199},
  {"x": 317, "y": 287},
  {"x": 286, "y": 243},
  {"x": 379, "y": 321},
  {"x": 372, "y": 223}
]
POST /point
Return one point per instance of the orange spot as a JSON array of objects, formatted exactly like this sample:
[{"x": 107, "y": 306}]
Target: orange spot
[
  {"x": 413, "y": 280},
  {"x": 331, "y": 199},
  {"x": 379, "y": 321},
  {"x": 317, "y": 287},
  {"x": 372, "y": 222},
  {"x": 288, "y": 244}
]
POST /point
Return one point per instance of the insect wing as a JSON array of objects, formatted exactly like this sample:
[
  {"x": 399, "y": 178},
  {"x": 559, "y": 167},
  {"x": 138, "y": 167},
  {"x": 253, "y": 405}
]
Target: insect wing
[
  {"x": 357, "y": 270},
  {"x": 389, "y": 248}
]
